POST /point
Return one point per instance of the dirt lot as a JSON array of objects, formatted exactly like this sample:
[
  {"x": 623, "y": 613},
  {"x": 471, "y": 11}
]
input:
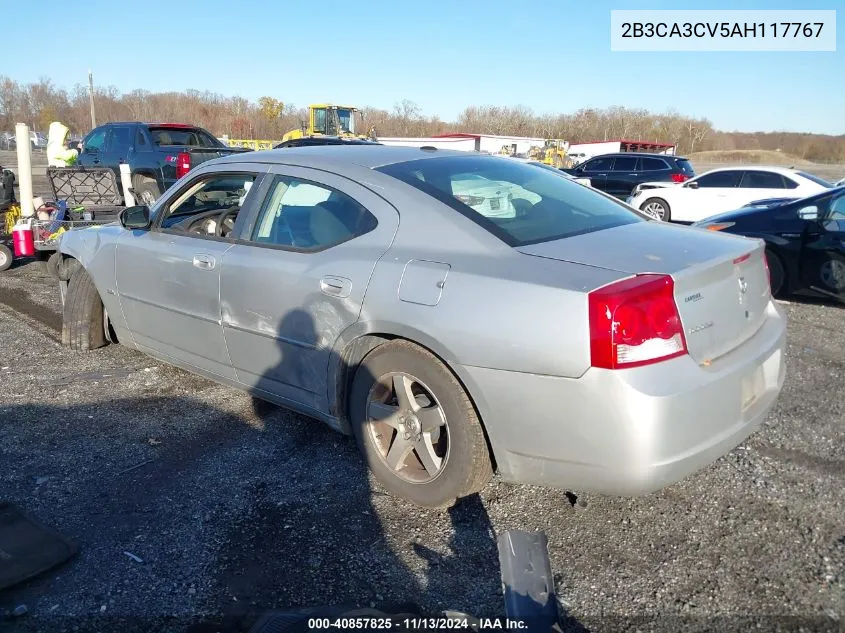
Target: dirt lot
[{"x": 235, "y": 508}]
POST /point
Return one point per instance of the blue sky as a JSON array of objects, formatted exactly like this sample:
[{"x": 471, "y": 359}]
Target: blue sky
[{"x": 552, "y": 55}]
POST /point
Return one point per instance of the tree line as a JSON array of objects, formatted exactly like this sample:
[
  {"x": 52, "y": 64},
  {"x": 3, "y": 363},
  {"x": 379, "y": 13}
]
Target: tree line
[{"x": 40, "y": 103}]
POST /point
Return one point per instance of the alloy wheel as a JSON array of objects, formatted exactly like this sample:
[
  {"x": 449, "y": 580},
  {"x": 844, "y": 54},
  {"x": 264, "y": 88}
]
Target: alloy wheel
[
  {"x": 655, "y": 209},
  {"x": 408, "y": 426},
  {"x": 833, "y": 274}
]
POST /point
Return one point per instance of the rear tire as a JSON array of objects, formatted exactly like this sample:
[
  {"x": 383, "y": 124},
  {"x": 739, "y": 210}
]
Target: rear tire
[
  {"x": 658, "y": 206},
  {"x": 777, "y": 273},
  {"x": 146, "y": 189},
  {"x": 456, "y": 452},
  {"x": 6, "y": 257},
  {"x": 82, "y": 320}
]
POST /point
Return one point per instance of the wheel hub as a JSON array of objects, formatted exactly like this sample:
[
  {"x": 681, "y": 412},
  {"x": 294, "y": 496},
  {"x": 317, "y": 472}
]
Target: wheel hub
[{"x": 411, "y": 426}]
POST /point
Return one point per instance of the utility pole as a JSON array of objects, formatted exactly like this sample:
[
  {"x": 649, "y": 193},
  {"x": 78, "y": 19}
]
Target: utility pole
[{"x": 91, "y": 98}]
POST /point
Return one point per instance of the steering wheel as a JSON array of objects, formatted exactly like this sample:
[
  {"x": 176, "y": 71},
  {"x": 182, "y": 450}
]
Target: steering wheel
[
  {"x": 224, "y": 220},
  {"x": 202, "y": 225}
]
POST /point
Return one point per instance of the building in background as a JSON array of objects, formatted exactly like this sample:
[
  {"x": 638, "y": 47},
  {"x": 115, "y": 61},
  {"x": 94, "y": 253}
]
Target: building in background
[{"x": 492, "y": 143}]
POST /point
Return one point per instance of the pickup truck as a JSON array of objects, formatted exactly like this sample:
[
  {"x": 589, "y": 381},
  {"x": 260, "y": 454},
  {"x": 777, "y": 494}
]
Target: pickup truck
[{"x": 158, "y": 154}]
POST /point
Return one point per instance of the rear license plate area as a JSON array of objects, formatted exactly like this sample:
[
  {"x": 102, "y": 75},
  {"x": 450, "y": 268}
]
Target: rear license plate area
[
  {"x": 494, "y": 203},
  {"x": 753, "y": 386}
]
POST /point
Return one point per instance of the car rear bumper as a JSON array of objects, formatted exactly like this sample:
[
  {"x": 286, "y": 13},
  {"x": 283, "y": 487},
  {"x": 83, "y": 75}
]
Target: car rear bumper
[{"x": 634, "y": 431}]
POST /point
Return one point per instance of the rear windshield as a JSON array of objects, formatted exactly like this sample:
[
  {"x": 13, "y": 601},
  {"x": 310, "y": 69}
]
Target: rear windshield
[
  {"x": 685, "y": 167},
  {"x": 189, "y": 137},
  {"x": 514, "y": 201},
  {"x": 815, "y": 179}
]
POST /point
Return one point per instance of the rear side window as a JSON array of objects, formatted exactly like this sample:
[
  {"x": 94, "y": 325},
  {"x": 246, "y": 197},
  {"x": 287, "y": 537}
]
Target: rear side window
[
  {"x": 190, "y": 137},
  {"x": 514, "y": 201},
  {"x": 308, "y": 216},
  {"x": 625, "y": 163},
  {"x": 761, "y": 180},
  {"x": 788, "y": 183},
  {"x": 720, "y": 179},
  {"x": 685, "y": 166},
  {"x": 652, "y": 164}
]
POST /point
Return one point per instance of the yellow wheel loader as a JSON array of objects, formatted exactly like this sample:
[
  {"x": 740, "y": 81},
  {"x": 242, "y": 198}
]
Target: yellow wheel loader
[
  {"x": 329, "y": 120},
  {"x": 555, "y": 153}
]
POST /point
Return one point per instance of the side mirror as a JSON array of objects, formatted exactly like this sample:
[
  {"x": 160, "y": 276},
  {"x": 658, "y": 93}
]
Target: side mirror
[
  {"x": 692, "y": 184},
  {"x": 809, "y": 213},
  {"x": 134, "y": 218}
]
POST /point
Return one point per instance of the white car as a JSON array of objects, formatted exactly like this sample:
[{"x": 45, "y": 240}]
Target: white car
[
  {"x": 839, "y": 183},
  {"x": 720, "y": 190}
]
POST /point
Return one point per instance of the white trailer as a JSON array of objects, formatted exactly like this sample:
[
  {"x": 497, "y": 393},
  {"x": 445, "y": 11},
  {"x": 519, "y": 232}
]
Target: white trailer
[{"x": 460, "y": 144}]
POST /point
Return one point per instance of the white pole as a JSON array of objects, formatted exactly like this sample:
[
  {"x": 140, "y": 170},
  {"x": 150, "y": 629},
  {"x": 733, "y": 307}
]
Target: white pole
[
  {"x": 126, "y": 183},
  {"x": 24, "y": 169}
]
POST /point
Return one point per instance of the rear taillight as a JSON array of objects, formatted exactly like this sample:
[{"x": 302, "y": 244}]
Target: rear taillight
[
  {"x": 679, "y": 177},
  {"x": 472, "y": 201},
  {"x": 635, "y": 322},
  {"x": 183, "y": 164}
]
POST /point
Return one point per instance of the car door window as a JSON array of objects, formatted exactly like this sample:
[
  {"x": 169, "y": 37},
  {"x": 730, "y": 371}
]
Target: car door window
[
  {"x": 761, "y": 180},
  {"x": 652, "y": 164},
  {"x": 208, "y": 206},
  {"x": 118, "y": 138},
  {"x": 304, "y": 215},
  {"x": 95, "y": 141},
  {"x": 625, "y": 163},
  {"x": 141, "y": 144},
  {"x": 599, "y": 164},
  {"x": 834, "y": 219},
  {"x": 719, "y": 179}
]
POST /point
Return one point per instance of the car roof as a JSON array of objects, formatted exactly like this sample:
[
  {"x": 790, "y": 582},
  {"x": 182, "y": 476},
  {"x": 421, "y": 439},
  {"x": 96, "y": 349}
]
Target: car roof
[
  {"x": 368, "y": 156},
  {"x": 324, "y": 140},
  {"x": 154, "y": 124},
  {"x": 638, "y": 154},
  {"x": 777, "y": 169}
]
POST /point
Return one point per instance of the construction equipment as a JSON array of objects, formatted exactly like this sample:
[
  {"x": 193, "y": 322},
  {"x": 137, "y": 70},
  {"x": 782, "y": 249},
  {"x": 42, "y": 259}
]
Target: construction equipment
[
  {"x": 555, "y": 153},
  {"x": 329, "y": 120}
]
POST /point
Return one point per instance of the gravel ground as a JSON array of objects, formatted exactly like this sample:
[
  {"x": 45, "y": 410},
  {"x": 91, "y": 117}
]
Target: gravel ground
[{"x": 235, "y": 508}]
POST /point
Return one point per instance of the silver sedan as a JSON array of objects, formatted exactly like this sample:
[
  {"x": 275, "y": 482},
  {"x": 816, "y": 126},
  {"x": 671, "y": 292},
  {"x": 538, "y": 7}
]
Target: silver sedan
[{"x": 549, "y": 333}]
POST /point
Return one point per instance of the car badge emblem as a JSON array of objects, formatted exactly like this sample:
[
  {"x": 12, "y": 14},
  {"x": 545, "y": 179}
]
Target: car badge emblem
[{"x": 743, "y": 285}]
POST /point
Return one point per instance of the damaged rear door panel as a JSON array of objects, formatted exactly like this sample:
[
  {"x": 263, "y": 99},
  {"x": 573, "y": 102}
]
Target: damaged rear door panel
[{"x": 298, "y": 278}]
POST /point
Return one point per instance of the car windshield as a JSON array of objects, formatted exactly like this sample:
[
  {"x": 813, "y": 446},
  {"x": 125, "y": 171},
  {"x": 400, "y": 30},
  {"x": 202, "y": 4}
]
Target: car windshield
[
  {"x": 815, "y": 179},
  {"x": 514, "y": 201}
]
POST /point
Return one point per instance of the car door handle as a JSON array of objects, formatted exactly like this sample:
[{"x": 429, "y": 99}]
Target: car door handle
[
  {"x": 336, "y": 286},
  {"x": 204, "y": 262}
]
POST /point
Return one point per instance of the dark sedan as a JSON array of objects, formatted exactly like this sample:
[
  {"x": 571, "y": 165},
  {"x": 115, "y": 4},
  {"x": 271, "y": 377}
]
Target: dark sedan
[{"x": 805, "y": 240}]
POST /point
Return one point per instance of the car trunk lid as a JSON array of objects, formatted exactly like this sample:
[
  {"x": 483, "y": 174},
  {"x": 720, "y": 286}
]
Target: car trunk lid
[{"x": 721, "y": 284}]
